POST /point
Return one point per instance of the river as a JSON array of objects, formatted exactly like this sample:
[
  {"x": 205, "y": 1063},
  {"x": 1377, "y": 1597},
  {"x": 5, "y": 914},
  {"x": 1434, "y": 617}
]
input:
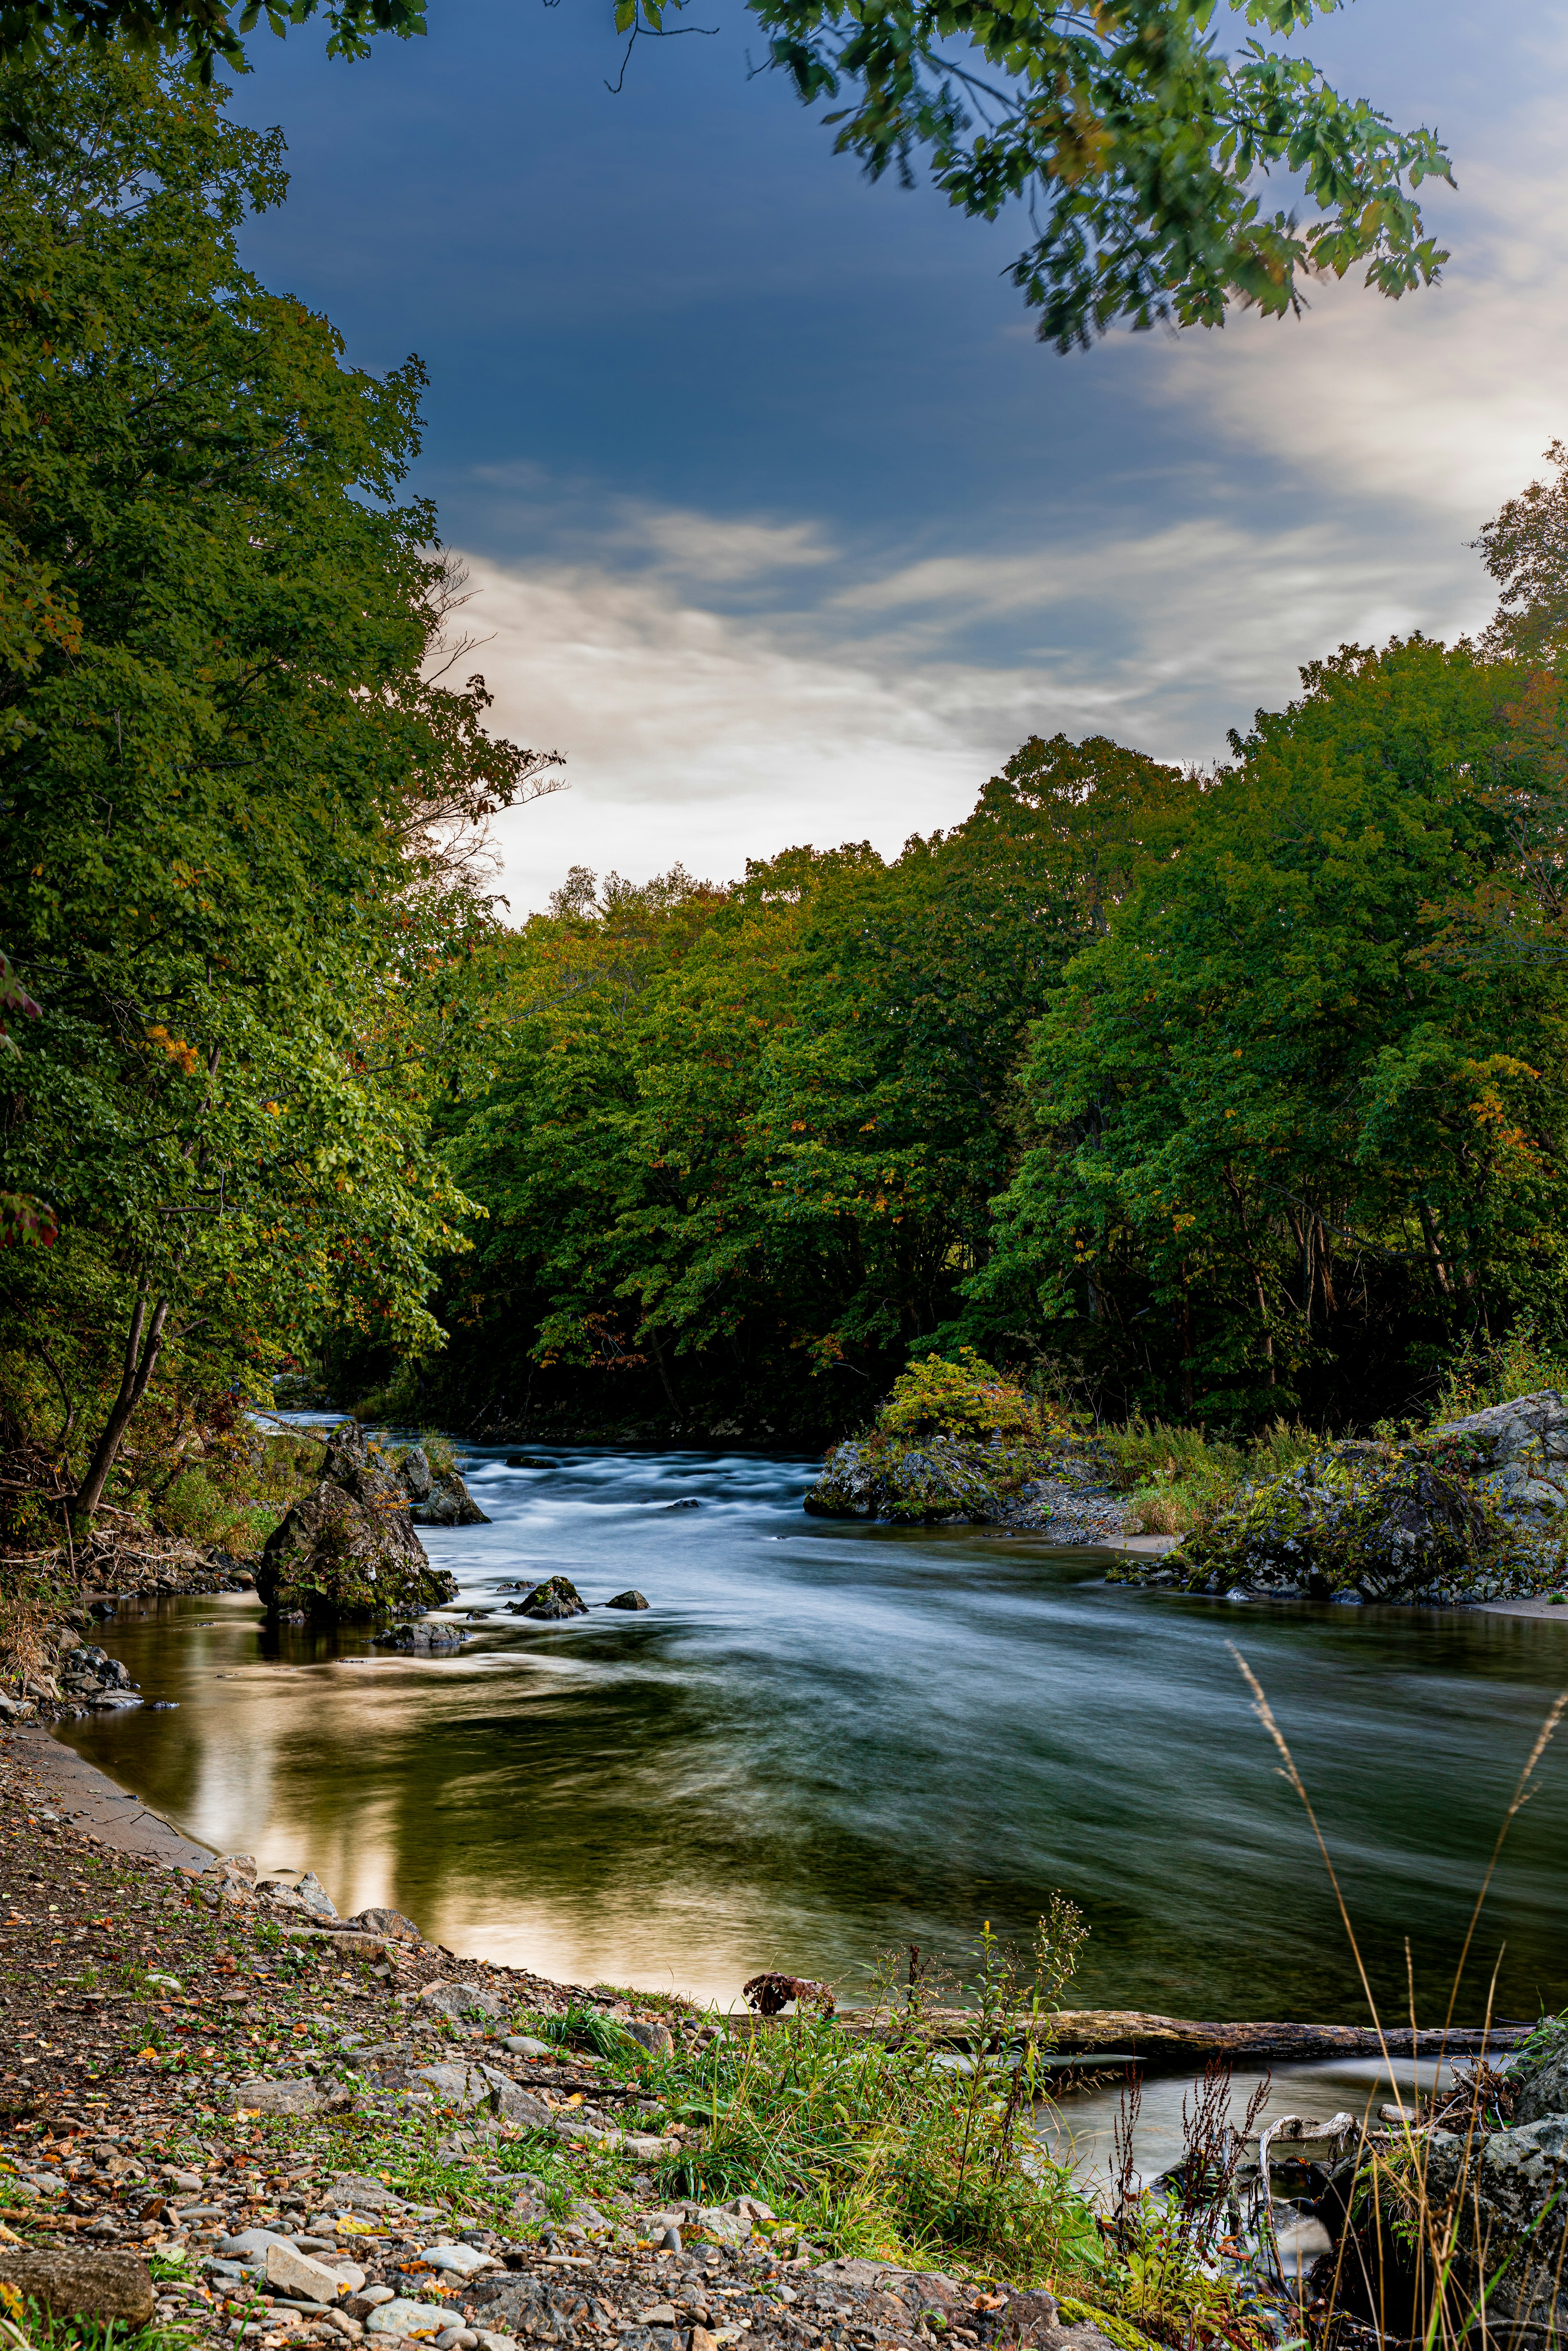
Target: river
[{"x": 823, "y": 1740}]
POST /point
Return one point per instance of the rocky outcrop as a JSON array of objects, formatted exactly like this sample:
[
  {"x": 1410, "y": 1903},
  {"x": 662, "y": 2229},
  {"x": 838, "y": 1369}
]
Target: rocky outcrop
[
  {"x": 1059, "y": 1485},
  {"x": 1471, "y": 1509},
  {"x": 437, "y": 1498},
  {"x": 347, "y": 1551}
]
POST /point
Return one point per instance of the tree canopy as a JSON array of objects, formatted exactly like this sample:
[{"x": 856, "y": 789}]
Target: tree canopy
[{"x": 1140, "y": 143}]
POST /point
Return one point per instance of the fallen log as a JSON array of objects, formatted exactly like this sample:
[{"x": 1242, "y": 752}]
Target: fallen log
[{"x": 1169, "y": 2042}]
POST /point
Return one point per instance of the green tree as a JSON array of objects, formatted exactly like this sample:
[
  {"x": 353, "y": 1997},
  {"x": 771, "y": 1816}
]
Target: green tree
[
  {"x": 1280, "y": 1142},
  {"x": 227, "y": 791},
  {"x": 1138, "y": 142}
]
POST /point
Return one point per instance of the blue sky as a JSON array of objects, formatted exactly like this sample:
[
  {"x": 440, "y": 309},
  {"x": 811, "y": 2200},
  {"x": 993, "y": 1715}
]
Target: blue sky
[{"x": 781, "y": 525}]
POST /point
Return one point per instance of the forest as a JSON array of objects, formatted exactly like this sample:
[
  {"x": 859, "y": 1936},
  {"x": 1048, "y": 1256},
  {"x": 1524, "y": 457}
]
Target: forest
[{"x": 1229, "y": 1095}]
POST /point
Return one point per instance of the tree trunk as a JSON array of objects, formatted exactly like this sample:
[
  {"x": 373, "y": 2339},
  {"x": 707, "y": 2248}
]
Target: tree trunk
[{"x": 142, "y": 1342}]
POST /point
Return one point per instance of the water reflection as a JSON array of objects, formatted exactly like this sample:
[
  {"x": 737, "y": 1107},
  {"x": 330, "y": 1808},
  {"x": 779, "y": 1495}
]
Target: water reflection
[{"x": 824, "y": 1739}]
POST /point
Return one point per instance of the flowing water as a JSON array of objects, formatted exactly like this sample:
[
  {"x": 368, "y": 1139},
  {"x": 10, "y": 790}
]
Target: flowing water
[{"x": 822, "y": 1740}]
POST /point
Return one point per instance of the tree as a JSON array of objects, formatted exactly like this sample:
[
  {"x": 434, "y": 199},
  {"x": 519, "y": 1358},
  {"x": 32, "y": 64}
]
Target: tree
[
  {"x": 225, "y": 776},
  {"x": 1138, "y": 144},
  {"x": 742, "y": 1144},
  {"x": 1525, "y": 549}
]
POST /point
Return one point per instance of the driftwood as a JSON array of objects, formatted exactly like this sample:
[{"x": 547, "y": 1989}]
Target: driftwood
[{"x": 1108, "y": 2033}]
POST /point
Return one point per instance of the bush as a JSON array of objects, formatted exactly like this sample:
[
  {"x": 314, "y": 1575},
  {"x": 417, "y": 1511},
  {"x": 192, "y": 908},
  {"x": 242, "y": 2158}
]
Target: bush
[{"x": 967, "y": 1398}]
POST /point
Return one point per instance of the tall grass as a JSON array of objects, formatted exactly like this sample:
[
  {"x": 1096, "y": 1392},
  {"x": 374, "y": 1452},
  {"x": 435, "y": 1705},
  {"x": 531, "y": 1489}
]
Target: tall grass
[
  {"x": 1417, "y": 2258},
  {"x": 1174, "y": 1475}
]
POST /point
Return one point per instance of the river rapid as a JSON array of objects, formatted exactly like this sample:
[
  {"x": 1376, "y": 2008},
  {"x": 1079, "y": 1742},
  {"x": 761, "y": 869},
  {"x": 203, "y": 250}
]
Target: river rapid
[{"x": 822, "y": 1741}]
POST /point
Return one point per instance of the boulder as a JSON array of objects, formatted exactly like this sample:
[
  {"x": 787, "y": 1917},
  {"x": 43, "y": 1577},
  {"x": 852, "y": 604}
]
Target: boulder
[
  {"x": 556, "y": 1597},
  {"x": 414, "y": 1472},
  {"x": 449, "y": 1504},
  {"x": 423, "y": 1640},
  {"x": 436, "y": 1500},
  {"x": 346, "y": 1551},
  {"x": 923, "y": 1483},
  {"x": 627, "y": 1600},
  {"x": 69, "y": 2284},
  {"x": 1509, "y": 2218}
]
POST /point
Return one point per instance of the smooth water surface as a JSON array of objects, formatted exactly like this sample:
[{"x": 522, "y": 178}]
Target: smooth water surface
[{"x": 822, "y": 1740}]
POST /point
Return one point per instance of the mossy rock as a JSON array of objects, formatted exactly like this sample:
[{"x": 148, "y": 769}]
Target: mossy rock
[
  {"x": 923, "y": 1484},
  {"x": 1451, "y": 1515},
  {"x": 347, "y": 1551}
]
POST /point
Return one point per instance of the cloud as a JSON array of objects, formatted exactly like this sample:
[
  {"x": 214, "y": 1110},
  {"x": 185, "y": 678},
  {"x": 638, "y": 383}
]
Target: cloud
[
  {"x": 707, "y": 547},
  {"x": 709, "y": 736},
  {"x": 1444, "y": 401}
]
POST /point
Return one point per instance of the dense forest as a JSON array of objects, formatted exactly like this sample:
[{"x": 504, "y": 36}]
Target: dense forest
[
  {"x": 1236, "y": 1094},
  {"x": 1232, "y": 1095}
]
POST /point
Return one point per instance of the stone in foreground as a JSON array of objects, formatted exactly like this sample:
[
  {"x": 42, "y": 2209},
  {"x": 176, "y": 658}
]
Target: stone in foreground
[
  {"x": 414, "y": 2321},
  {"x": 347, "y": 1551},
  {"x": 70, "y": 2285},
  {"x": 303, "y": 2276}
]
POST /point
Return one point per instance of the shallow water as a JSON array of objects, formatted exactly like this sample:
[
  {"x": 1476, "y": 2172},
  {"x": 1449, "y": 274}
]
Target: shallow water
[{"x": 822, "y": 1740}]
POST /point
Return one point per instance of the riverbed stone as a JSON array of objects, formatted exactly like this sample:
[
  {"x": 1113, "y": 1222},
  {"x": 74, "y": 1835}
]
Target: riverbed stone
[
  {"x": 293, "y": 2096},
  {"x": 346, "y": 1551},
  {"x": 464, "y": 2000},
  {"x": 69, "y": 2284},
  {"x": 416, "y": 2322},
  {"x": 627, "y": 1600},
  {"x": 301, "y": 2274}
]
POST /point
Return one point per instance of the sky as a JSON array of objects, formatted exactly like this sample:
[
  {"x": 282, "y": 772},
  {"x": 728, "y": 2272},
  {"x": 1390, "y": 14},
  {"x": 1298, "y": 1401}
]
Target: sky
[{"x": 778, "y": 521}]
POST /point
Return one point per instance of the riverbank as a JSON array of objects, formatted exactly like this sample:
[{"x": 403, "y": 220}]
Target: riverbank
[{"x": 228, "y": 2124}]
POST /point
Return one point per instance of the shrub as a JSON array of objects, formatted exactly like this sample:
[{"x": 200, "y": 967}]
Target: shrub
[{"x": 939, "y": 1397}]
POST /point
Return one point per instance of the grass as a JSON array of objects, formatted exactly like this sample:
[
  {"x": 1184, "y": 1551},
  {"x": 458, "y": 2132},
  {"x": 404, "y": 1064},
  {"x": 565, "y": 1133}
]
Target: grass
[{"x": 1175, "y": 1475}]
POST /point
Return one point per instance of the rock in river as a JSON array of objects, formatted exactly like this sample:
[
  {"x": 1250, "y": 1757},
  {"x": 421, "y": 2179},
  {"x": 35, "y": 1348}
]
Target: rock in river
[
  {"x": 1470, "y": 1509},
  {"x": 627, "y": 1600},
  {"x": 557, "y": 1597},
  {"x": 435, "y": 1500},
  {"x": 348, "y": 1550}
]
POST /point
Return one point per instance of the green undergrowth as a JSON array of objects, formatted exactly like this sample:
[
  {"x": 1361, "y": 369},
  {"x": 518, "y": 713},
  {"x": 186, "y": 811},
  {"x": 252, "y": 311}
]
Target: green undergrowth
[{"x": 1174, "y": 1476}]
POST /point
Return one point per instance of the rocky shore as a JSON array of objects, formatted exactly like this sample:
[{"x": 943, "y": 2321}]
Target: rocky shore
[
  {"x": 1471, "y": 1512},
  {"x": 226, "y": 2114}
]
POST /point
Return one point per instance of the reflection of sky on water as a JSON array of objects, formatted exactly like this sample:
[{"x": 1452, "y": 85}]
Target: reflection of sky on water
[{"x": 825, "y": 1739}]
